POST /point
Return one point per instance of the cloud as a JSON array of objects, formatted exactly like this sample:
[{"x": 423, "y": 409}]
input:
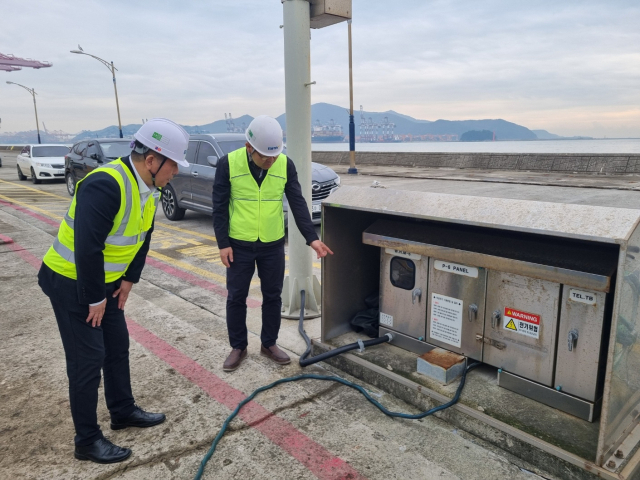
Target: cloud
[{"x": 561, "y": 66}]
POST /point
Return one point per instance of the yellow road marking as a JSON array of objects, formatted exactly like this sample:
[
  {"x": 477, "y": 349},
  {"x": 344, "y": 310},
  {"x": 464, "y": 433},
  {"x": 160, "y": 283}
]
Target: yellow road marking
[
  {"x": 168, "y": 240},
  {"x": 152, "y": 253},
  {"x": 208, "y": 253},
  {"x": 31, "y": 207},
  {"x": 158, "y": 224},
  {"x": 164, "y": 237},
  {"x": 190, "y": 232},
  {"x": 36, "y": 190},
  {"x": 68, "y": 199},
  {"x": 187, "y": 266}
]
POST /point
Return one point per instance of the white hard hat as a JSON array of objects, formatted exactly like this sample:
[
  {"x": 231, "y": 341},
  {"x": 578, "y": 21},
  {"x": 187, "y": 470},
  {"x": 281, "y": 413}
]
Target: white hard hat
[
  {"x": 265, "y": 135},
  {"x": 165, "y": 137}
]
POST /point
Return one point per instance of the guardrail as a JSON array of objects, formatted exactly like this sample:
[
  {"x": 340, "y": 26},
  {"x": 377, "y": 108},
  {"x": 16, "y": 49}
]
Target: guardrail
[
  {"x": 591, "y": 164},
  {"x": 11, "y": 147}
]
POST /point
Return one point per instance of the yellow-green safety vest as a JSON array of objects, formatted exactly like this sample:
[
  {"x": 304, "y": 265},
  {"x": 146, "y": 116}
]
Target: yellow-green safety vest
[
  {"x": 129, "y": 230},
  {"x": 255, "y": 212}
]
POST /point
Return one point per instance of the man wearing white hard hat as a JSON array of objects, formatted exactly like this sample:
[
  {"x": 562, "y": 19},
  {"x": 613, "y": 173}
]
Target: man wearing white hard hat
[
  {"x": 249, "y": 224},
  {"x": 88, "y": 273}
]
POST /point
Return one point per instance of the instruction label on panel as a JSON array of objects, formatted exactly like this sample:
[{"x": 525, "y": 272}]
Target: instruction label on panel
[
  {"x": 456, "y": 268},
  {"x": 401, "y": 253},
  {"x": 582, "y": 296},
  {"x": 446, "y": 319},
  {"x": 386, "y": 319},
  {"x": 524, "y": 323}
]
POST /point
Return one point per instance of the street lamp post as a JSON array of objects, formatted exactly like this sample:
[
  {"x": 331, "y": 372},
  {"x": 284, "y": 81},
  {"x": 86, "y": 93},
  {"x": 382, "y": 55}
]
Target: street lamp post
[
  {"x": 352, "y": 127},
  {"x": 299, "y": 16},
  {"x": 112, "y": 69},
  {"x": 33, "y": 94}
]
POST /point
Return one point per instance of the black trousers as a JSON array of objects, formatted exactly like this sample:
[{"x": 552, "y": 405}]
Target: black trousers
[
  {"x": 91, "y": 349},
  {"x": 270, "y": 263}
]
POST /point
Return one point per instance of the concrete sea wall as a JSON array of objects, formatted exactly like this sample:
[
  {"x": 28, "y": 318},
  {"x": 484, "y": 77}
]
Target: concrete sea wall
[{"x": 542, "y": 162}]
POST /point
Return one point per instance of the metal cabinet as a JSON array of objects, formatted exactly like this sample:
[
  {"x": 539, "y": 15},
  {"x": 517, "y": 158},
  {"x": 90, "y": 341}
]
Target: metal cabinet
[
  {"x": 520, "y": 325},
  {"x": 403, "y": 291},
  {"x": 456, "y": 302},
  {"x": 580, "y": 342}
]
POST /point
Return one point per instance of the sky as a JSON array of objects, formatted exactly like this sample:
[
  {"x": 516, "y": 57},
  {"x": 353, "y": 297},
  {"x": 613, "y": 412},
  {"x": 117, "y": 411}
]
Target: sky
[{"x": 570, "y": 67}]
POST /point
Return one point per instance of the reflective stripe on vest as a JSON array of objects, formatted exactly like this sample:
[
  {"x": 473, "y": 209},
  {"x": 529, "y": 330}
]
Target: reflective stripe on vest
[
  {"x": 125, "y": 238},
  {"x": 255, "y": 212}
]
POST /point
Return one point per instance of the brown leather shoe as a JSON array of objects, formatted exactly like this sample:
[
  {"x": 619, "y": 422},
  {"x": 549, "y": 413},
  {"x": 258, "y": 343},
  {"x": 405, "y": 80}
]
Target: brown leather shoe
[
  {"x": 234, "y": 359},
  {"x": 275, "y": 354}
]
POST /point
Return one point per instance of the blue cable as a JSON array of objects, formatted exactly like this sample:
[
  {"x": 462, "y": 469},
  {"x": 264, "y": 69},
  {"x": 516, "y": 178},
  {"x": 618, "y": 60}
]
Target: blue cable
[{"x": 306, "y": 376}]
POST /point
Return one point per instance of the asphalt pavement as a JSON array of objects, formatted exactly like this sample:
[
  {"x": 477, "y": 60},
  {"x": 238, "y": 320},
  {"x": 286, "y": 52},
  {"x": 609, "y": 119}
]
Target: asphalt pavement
[{"x": 176, "y": 317}]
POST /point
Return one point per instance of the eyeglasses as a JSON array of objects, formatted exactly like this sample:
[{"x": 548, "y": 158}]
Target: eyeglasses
[{"x": 264, "y": 158}]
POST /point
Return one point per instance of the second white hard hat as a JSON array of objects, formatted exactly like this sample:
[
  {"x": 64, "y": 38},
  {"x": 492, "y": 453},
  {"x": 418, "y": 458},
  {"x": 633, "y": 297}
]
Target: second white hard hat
[
  {"x": 165, "y": 137},
  {"x": 265, "y": 135}
]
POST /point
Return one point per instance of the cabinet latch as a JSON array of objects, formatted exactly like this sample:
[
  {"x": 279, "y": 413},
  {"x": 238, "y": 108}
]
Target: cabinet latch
[{"x": 492, "y": 342}]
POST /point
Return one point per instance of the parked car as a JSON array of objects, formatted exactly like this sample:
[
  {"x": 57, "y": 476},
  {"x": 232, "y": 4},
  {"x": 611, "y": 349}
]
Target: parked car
[
  {"x": 192, "y": 187},
  {"x": 88, "y": 155},
  {"x": 41, "y": 162}
]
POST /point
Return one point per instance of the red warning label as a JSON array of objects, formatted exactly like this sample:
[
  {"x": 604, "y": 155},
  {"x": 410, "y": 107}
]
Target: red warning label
[
  {"x": 524, "y": 323},
  {"x": 524, "y": 316}
]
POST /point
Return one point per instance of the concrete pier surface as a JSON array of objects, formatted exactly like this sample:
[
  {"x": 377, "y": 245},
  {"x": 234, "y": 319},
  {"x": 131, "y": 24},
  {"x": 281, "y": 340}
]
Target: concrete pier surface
[{"x": 176, "y": 316}]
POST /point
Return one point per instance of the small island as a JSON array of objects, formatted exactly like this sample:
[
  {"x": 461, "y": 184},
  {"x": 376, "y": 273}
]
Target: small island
[{"x": 478, "y": 136}]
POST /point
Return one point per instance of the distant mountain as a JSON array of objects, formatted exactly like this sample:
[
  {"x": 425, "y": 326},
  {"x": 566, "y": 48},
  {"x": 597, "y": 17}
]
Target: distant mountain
[
  {"x": 218, "y": 126},
  {"x": 544, "y": 135},
  {"x": 325, "y": 112},
  {"x": 406, "y": 125}
]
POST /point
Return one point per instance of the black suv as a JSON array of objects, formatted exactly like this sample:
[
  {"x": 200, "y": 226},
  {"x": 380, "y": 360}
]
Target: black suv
[{"x": 88, "y": 155}]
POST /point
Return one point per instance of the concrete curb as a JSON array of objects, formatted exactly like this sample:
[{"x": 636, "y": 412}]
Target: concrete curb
[{"x": 460, "y": 416}]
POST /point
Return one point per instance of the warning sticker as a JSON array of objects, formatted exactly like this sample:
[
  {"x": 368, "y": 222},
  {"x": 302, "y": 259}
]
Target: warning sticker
[
  {"x": 446, "y": 319},
  {"x": 524, "y": 323}
]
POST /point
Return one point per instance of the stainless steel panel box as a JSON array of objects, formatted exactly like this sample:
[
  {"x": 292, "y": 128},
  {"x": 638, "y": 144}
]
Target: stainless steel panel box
[
  {"x": 455, "y": 311},
  {"x": 403, "y": 291},
  {"x": 521, "y": 324},
  {"x": 580, "y": 343}
]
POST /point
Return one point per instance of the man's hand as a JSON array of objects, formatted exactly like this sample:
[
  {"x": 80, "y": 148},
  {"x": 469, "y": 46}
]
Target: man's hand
[
  {"x": 96, "y": 313},
  {"x": 123, "y": 291},
  {"x": 321, "y": 249},
  {"x": 226, "y": 255}
]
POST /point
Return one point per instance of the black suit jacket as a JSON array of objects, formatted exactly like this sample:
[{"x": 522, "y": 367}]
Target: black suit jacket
[{"x": 97, "y": 204}]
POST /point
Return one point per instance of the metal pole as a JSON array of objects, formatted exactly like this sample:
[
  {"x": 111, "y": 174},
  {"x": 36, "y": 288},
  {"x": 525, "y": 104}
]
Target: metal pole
[
  {"x": 33, "y": 94},
  {"x": 297, "y": 67},
  {"x": 352, "y": 126},
  {"x": 113, "y": 72}
]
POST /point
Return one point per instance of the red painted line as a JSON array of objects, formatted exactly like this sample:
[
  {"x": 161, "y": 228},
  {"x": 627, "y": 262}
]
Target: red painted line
[
  {"x": 322, "y": 463},
  {"x": 188, "y": 277},
  {"x": 53, "y": 223},
  {"x": 26, "y": 255},
  {"x": 193, "y": 279}
]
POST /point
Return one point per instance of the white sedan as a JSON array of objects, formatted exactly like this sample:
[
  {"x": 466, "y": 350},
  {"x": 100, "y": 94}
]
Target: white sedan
[{"x": 41, "y": 162}]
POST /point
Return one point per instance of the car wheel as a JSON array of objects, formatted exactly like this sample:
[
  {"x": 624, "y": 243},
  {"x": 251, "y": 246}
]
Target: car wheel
[
  {"x": 71, "y": 184},
  {"x": 20, "y": 174},
  {"x": 34, "y": 179},
  {"x": 170, "y": 204}
]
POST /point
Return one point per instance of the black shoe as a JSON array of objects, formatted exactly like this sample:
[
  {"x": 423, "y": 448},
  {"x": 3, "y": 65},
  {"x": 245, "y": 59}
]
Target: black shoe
[
  {"x": 102, "y": 451},
  {"x": 139, "y": 418}
]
